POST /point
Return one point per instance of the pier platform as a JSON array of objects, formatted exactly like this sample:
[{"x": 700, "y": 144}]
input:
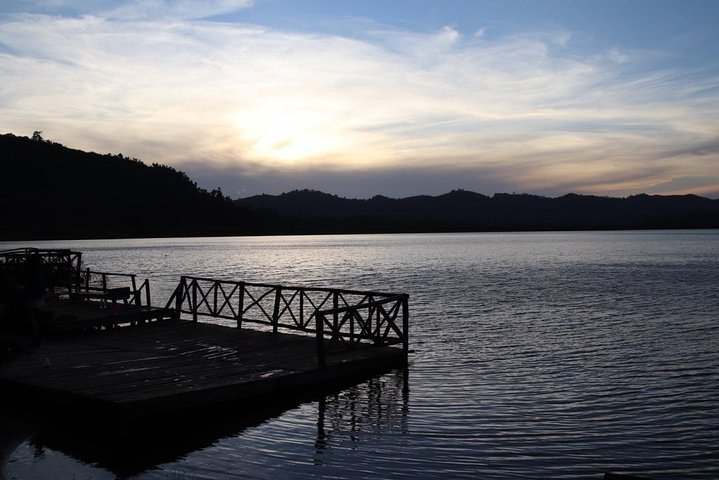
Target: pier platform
[
  {"x": 63, "y": 317},
  {"x": 103, "y": 345},
  {"x": 176, "y": 364}
]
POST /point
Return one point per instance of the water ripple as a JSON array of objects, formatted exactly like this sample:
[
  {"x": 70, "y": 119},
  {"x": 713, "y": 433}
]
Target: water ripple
[{"x": 552, "y": 355}]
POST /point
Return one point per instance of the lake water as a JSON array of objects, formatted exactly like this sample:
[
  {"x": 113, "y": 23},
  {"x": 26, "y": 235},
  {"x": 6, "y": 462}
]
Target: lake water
[{"x": 536, "y": 355}]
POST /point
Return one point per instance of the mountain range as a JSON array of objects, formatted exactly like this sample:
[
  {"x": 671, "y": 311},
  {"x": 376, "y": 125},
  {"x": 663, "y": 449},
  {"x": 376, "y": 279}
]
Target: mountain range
[
  {"x": 308, "y": 211},
  {"x": 49, "y": 191}
]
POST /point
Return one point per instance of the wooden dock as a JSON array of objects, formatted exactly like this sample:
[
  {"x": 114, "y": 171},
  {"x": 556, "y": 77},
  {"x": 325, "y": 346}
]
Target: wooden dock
[
  {"x": 178, "y": 364},
  {"x": 64, "y": 317},
  {"x": 104, "y": 348}
]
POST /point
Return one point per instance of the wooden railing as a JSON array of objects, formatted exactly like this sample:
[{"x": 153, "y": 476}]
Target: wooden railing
[
  {"x": 60, "y": 266},
  {"x": 374, "y": 321},
  {"x": 110, "y": 286},
  {"x": 48, "y": 256},
  {"x": 340, "y": 318},
  {"x": 60, "y": 270}
]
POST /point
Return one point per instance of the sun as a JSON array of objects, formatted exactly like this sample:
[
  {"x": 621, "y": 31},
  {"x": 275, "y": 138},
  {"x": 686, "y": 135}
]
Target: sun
[{"x": 288, "y": 135}]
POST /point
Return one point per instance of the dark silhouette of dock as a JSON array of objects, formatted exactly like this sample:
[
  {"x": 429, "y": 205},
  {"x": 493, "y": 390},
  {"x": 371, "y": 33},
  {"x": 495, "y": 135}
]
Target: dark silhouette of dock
[
  {"x": 178, "y": 364},
  {"x": 103, "y": 348}
]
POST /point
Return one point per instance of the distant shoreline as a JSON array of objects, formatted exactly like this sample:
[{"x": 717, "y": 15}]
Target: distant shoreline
[{"x": 51, "y": 192}]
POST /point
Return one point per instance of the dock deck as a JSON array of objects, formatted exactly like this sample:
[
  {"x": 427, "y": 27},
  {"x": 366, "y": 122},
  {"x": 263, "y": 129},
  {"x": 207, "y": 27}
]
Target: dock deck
[
  {"x": 104, "y": 347},
  {"x": 177, "y": 364},
  {"x": 65, "y": 317}
]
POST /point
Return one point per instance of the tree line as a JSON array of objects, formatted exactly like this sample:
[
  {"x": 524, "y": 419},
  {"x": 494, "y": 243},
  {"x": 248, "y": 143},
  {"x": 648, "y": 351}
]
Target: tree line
[{"x": 49, "y": 191}]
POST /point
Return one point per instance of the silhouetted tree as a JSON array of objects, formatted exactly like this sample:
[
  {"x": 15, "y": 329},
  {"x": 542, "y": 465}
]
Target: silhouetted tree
[{"x": 51, "y": 191}]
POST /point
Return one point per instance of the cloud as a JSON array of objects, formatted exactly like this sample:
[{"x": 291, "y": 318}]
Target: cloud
[
  {"x": 176, "y": 9},
  {"x": 708, "y": 148},
  {"x": 522, "y": 112},
  {"x": 133, "y": 10}
]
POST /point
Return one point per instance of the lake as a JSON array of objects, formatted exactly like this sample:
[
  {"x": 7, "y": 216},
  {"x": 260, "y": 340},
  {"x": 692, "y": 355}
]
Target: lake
[{"x": 535, "y": 355}]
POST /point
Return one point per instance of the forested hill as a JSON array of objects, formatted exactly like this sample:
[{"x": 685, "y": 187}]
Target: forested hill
[
  {"x": 313, "y": 212},
  {"x": 48, "y": 191}
]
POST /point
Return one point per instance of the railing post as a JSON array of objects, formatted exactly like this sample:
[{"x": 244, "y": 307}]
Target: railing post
[
  {"x": 78, "y": 267},
  {"x": 217, "y": 287},
  {"x": 180, "y": 294},
  {"x": 320, "y": 337},
  {"x": 335, "y": 306},
  {"x": 302, "y": 308},
  {"x": 276, "y": 311},
  {"x": 241, "y": 306},
  {"x": 405, "y": 325},
  {"x": 352, "y": 326},
  {"x": 147, "y": 293},
  {"x": 377, "y": 322},
  {"x": 194, "y": 300}
]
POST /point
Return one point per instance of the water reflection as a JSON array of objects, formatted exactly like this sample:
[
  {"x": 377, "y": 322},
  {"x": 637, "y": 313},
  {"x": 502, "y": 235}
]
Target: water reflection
[
  {"x": 379, "y": 405},
  {"x": 139, "y": 447},
  {"x": 538, "y": 355}
]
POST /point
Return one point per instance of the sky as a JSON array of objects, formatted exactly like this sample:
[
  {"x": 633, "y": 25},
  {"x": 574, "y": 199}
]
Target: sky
[{"x": 398, "y": 98}]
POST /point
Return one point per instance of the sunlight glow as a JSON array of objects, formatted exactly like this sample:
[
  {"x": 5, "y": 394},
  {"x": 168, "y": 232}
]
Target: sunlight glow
[
  {"x": 274, "y": 133},
  {"x": 528, "y": 109}
]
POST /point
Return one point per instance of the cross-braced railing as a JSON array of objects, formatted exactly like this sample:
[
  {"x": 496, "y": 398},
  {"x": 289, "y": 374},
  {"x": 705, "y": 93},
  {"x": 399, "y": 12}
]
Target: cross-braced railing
[
  {"x": 340, "y": 318},
  {"x": 381, "y": 322}
]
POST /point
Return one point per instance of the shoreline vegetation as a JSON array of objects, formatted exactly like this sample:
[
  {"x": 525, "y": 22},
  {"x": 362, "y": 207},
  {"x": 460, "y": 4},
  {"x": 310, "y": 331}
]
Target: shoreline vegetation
[{"x": 49, "y": 191}]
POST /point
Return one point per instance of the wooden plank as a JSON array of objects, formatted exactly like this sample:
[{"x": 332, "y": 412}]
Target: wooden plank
[
  {"x": 263, "y": 386},
  {"x": 170, "y": 371},
  {"x": 146, "y": 383},
  {"x": 178, "y": 362}
]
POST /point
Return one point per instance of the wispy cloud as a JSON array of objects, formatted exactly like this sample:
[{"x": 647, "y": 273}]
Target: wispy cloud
[
  {"x": 176, "y": 9},
  {"x": 134, "y": 9},
  {"x": 153, "y": 80}
]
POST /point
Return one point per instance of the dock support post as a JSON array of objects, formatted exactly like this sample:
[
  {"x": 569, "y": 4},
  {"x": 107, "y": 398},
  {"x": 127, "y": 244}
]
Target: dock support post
[{"x": 405, "y": 326}]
